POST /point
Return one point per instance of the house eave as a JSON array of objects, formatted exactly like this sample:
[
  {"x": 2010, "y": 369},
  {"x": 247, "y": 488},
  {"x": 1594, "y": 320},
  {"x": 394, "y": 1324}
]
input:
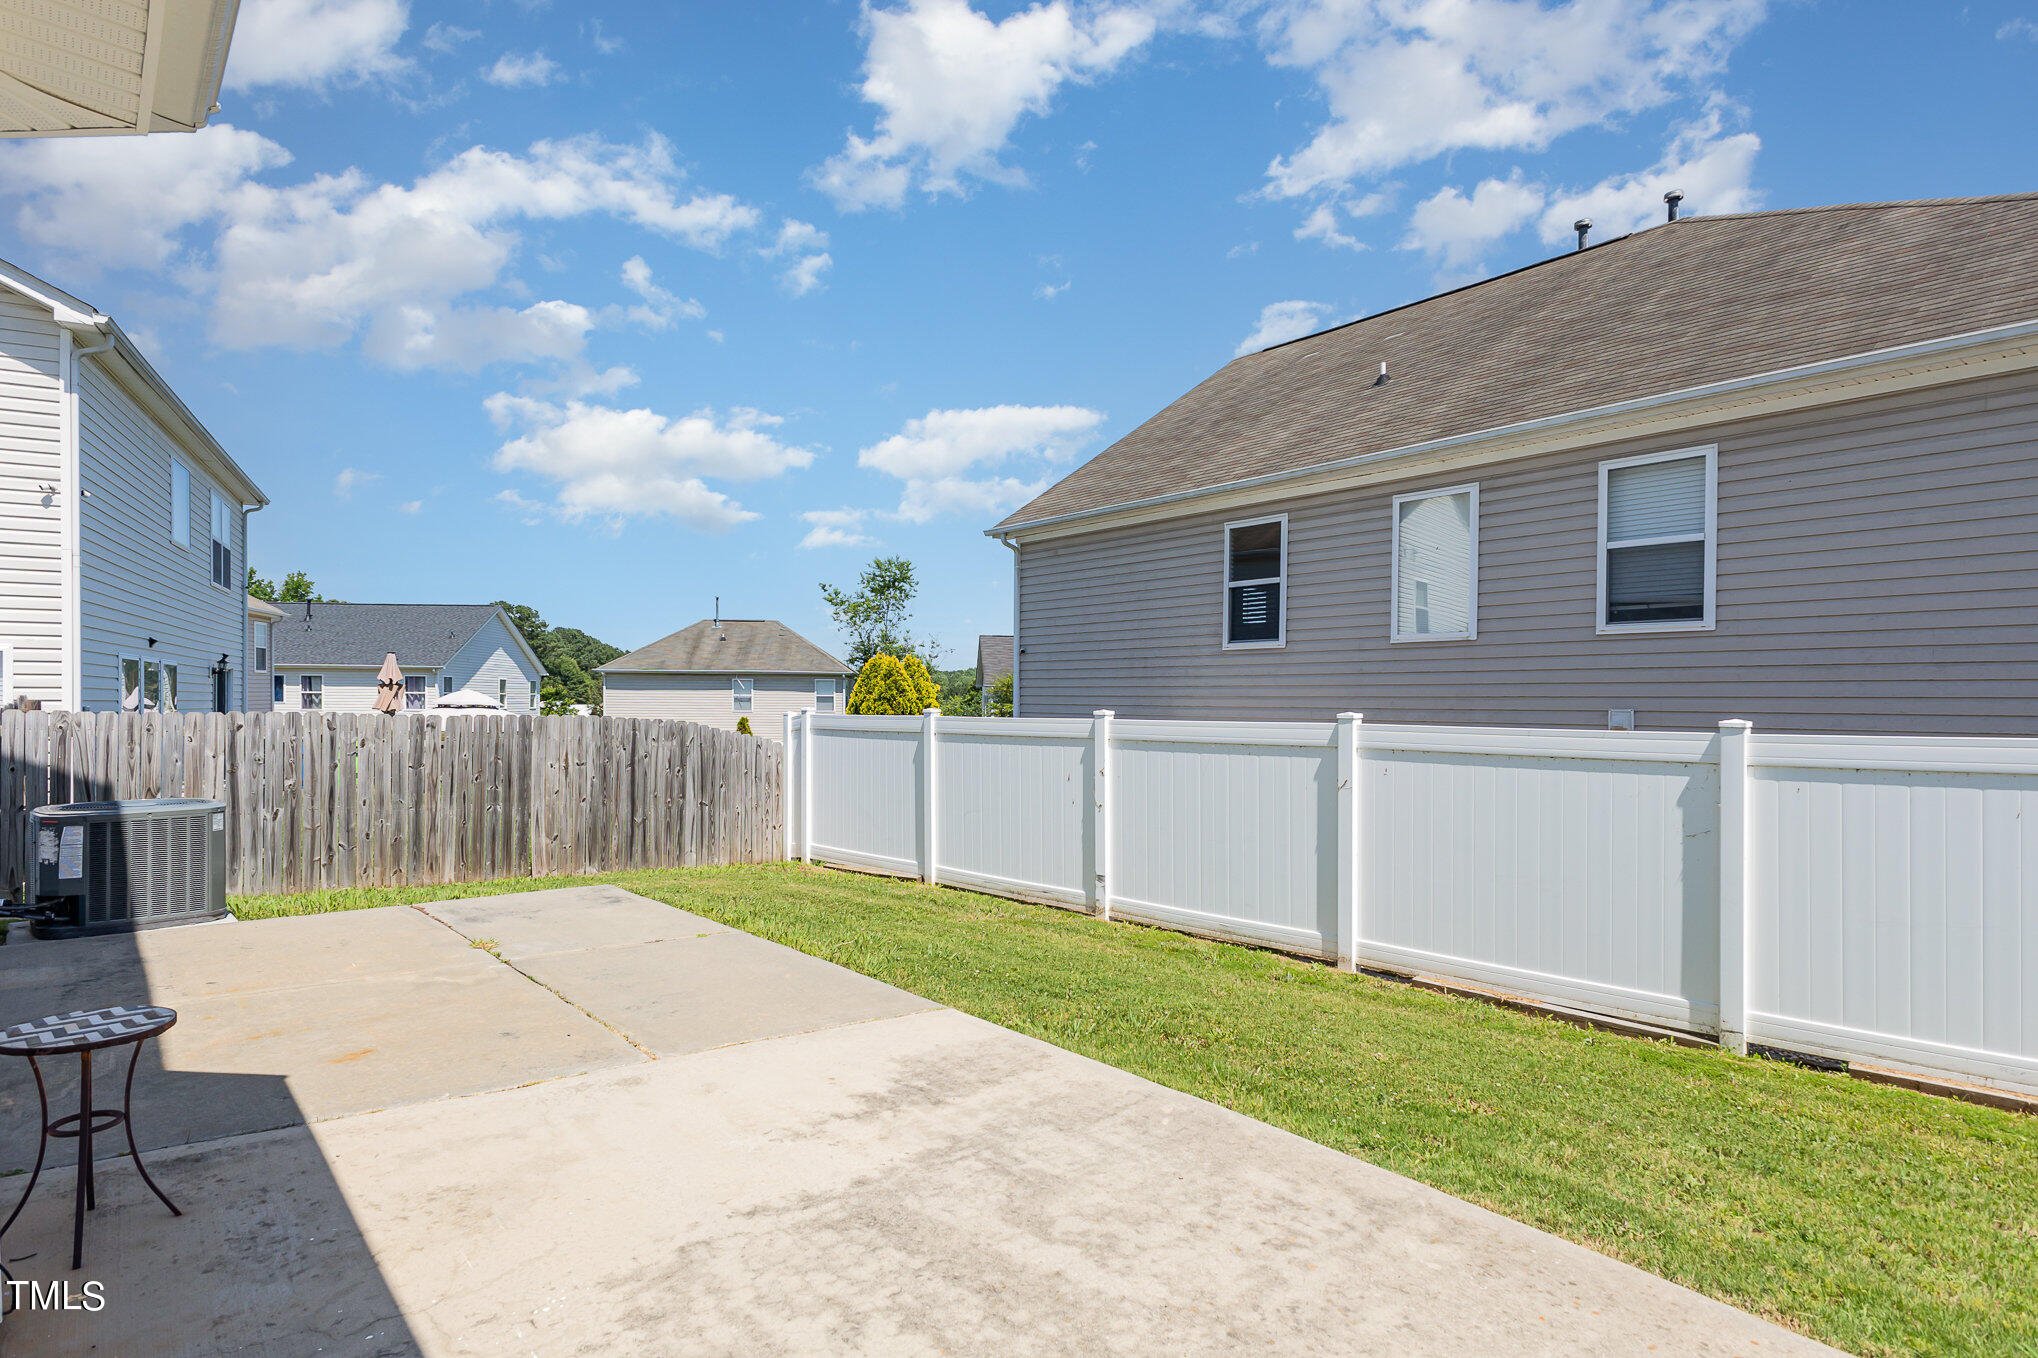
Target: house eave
[{"x": 1954, "y": 358}]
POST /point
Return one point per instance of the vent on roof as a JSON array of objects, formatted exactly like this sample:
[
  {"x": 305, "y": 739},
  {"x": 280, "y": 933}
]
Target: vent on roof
[
  {"x": 1671, "y": 200},
  {"x": 1583, "y": 226}
]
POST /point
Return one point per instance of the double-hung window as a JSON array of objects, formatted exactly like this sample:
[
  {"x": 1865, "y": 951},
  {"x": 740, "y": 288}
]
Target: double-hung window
[
  {"x": 222, "y": 542},
  {"x": 445, "y": 684},
  {"x": 739, "y": 693},
  {"x": 261, "y": 630},
  {"x": 413, "y": 693},
  {"x": 1656, "y": 541},
  {"x": 1436, "y": 565},
  {"x": 502, "y": 694},
  {"x": 824, "y": 694},
  {"x": 311, "y": 692},
  {"x": 180, "y": 503},
  {"x": 276, "y": 694},
  {"x": 1255, "y": 582}
]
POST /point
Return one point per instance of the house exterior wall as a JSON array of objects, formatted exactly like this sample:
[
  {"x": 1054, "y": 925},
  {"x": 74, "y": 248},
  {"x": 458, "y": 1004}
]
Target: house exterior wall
[
  {"x": 32, "y": 501},
  {"x": 134, "y": 581},
  {"x": 1877, "y": 570},
  {"x": 706, "y": 698},
  {"x": 491, "y": 655},
  {"x": 344, "y": 690}
]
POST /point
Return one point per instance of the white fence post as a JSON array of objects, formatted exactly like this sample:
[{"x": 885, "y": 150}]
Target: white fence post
[
  {"x": 807, "y": 784},
  {"x": 789, "y": 793},
  {"x": 1100, "y": 809},
  {"x": 1350, "y": 829},
  {"x": 1734, "y": 884},
  {"x": 930, "y": 822}
]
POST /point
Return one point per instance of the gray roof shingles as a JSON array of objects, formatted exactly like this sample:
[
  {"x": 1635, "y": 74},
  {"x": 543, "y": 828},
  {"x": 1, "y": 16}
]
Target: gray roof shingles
[
  {"x": 1698, "y": 301},
  {"x": 734, "y": 646},
  {"x": 424, "y": 636},
  {"x": 994, "y": 658}
]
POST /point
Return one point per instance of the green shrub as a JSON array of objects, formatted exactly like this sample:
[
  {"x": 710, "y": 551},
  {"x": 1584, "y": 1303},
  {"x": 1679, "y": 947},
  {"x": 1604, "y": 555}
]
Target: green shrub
[
  {"x": 893, "y": 686},
  {"x": 743, "y": 726}
]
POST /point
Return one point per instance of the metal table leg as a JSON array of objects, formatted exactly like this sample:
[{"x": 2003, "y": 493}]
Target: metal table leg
[
  {"x": 127, "y": 1116},
  {"x": 84, "y": 1194}
]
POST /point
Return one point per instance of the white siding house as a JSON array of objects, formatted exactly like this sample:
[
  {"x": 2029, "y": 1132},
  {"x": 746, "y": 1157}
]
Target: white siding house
[
  {"x": 123, "y": 523},
  {"x": 327, "y": 656},
  {"x": 718, "y": 672}
]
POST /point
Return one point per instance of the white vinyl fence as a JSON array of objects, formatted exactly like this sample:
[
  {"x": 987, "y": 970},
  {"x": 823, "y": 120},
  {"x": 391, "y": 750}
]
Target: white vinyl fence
[{"x": 1871, "y": 899}]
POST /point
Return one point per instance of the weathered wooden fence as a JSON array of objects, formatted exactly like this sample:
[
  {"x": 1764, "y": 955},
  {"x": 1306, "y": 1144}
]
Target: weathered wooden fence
[{"x": 317, "y": 800}]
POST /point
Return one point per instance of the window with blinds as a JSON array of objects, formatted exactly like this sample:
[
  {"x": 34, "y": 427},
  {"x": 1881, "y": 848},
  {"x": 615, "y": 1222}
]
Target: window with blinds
[
  {"x": 1436, "y": 565},
  {"x": 1255, "y": 567},
  {"x": 1656, "y": 535}
]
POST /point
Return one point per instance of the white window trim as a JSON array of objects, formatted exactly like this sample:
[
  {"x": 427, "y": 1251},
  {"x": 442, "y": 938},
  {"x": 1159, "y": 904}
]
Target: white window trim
[
  {"x": 750, "y": 695},
  {"x": 1471, "y": 632},
  {"x": 1711, "y": 453},
  {"x": 1225, "y": 584},
  {"x": 300, "y": 693}
]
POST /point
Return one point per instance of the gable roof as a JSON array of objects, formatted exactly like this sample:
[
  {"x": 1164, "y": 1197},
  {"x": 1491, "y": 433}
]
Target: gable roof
[
  {"x": 734, "y": 646},
  {"x": 1693, "y": 302},
  {"x": 92, "y": 329},
  {"x": 994, "y": 659},
  {"x": 424, "y": 636}
]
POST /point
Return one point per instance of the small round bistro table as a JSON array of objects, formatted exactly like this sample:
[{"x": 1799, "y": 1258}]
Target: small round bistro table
[{"x": 82, "y": 1033}]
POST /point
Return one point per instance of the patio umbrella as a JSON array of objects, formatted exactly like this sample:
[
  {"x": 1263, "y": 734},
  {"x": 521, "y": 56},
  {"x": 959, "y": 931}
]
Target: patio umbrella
[{"x": 389, "y": 685}]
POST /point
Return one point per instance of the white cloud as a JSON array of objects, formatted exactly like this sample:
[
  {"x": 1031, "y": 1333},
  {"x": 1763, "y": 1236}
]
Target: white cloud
[
  {"x": 315, "y": 43},
  {"x": 1710, "y": 165},
  {"x": 951, "y": 85},
  {"x": 810, "y": 244},
  {"x": 337, "y": 257},
  {"x": 349, "y": 478},
  {"x": 124, "y": 201},
  {"x": 659, "y": 308},
  {"x": 835, "y": 528},
  {"x": 445, "y": 38},
  {"x": 1408, "y": 80},
  {"x": 516, "y": 70},
  {"x": 1281, "y": 322},
  {"x": 616, "y": 464},
  {"x": 1047, "y": 292},
  {"x": 411, "y": 507},
  {"x": 1457, "y": 230},
  {"x": 936, "y": 453},
  {"x": 2018, "y": 28}
]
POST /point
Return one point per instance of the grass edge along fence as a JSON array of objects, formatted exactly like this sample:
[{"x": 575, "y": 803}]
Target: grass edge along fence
[{"x": 323, "y": 800}]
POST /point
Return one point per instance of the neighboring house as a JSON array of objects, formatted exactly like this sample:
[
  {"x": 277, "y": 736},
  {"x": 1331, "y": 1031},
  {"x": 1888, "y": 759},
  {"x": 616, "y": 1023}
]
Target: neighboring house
[
  {"x": 97, "y": 68},
  {"x": 123, "y": 523},
  {"x": 717, "y": 672},
  {"x": 994, "y": 662},
  {"x": 262, "y": 619},
  {"x": 327, "y": 656},
  {"x": 1777, "y": 465}
]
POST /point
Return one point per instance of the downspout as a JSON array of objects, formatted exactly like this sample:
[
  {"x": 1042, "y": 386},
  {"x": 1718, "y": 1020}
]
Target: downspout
[
  {"x": 247, "y": 658},
  {"x": 74, "y": 485},
  {"x": 1015, "y": 622}
]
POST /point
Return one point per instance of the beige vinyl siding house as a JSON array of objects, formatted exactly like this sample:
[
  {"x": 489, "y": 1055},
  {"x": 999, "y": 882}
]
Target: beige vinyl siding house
[
  {"x": 125, "y": 523},
  {"x": 1846, "y": 545},
  {"x": 718, "y": 672},
  {"x": 328, "y": 655}
]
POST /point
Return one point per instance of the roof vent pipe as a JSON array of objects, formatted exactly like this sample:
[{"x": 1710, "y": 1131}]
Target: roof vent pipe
[
  {"x": 1671, "y": 200},
  {"x": 1583, "y": 226}
]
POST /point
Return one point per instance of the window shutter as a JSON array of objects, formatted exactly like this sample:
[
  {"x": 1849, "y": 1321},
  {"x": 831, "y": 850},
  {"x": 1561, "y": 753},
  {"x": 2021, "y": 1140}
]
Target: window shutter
[{"x": 1656, "y": 500}]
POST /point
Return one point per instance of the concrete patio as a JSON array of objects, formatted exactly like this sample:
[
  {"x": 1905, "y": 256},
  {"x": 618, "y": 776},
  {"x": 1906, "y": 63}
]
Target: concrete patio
[{"x": 582, "y": 1122}]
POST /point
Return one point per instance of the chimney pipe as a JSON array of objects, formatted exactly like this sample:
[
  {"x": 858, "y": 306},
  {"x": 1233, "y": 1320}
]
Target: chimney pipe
[
  {"x": 1582, "y": 226},
  {"x": 1672, "y": 199}
]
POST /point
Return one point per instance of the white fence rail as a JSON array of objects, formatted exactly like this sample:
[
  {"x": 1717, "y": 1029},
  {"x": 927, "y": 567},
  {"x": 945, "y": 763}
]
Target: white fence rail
[{"x": 1866, "y": 898}]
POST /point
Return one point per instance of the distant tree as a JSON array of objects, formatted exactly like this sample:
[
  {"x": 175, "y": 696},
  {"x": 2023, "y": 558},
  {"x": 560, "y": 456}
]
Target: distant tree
[
  {"x": 260, "y": 588},
  {"x": 569, "y": 656},
  {"x": 893, "y": 686},
  {"x": 588, "y": 652},
  {"x": 958, "y": 691},
  {"x": 1001, "y": 697},
  {"x": 298, "y": 589},
  {"x": 876, "y": 616}
]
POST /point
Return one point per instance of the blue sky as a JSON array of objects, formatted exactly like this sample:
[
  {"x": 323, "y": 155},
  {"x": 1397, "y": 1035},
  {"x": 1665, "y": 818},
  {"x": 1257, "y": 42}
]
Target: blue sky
[{"x": 612, "y": 309}]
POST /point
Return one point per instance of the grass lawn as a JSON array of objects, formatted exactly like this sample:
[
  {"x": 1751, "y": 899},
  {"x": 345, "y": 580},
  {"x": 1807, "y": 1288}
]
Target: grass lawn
[{"x": 1877, "y": 1219}]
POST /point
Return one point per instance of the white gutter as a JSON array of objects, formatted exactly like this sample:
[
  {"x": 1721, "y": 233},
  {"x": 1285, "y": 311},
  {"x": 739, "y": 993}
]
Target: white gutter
[
  {"x": 1860, "y": 367},
  {"x": 73, "y": 669}
]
